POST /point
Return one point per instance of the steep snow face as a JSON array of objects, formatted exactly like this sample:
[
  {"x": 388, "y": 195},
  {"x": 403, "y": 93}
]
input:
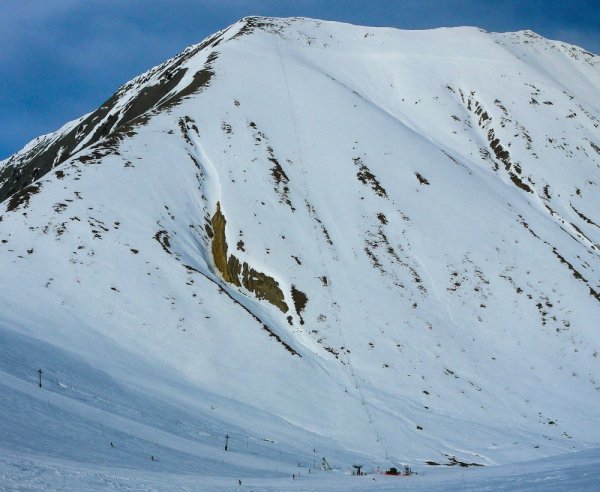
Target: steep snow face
[{"x": 320, "y": 239}]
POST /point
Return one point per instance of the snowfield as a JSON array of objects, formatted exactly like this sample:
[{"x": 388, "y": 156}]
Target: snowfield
[
  {"x": 308, "y": 240},
  {"x": 577, "y": 471}
]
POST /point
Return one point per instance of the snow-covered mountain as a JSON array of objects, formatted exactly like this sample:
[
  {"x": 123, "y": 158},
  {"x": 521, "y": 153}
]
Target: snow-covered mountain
[{"x": 321, "y": 240}]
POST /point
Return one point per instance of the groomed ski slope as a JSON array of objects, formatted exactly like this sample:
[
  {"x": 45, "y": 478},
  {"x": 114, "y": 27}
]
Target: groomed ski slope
[
  {"x": 321, "y": 240},
  {"x": 577, "y": 471}
]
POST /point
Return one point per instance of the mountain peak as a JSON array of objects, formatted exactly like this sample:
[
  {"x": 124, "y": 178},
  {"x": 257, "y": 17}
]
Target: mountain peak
[{"x": 379, "y": 245}]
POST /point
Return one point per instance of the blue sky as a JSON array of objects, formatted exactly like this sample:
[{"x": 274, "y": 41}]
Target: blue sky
[{"x": 60, "y": 59}]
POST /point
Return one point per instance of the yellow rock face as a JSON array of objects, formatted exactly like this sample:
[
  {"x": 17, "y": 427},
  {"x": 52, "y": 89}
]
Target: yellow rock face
[{"x": 238, "y": 274}]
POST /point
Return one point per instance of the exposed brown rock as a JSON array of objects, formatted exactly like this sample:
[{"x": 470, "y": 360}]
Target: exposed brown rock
[{"x": 234, "y": 272}]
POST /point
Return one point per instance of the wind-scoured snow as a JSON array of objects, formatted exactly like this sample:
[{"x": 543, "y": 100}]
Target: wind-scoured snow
[{"x": 321, "y": 240}]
